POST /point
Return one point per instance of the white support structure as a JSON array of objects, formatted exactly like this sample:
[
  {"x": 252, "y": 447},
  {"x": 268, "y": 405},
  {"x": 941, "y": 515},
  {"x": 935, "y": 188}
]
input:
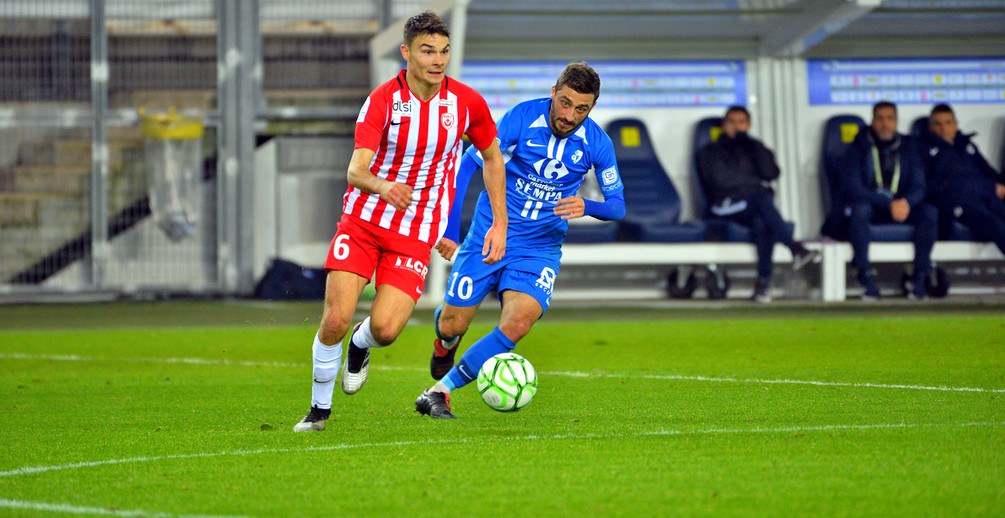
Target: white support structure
[
  {"x": 818, "y": 20},
  {"x": 836, "y": 255},
  {"x": 834, "y": 258}
]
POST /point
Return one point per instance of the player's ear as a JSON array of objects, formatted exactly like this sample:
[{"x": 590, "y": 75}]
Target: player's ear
[
  {"x": 553, "y": 90},
  {"x": 404, "y": 51}
]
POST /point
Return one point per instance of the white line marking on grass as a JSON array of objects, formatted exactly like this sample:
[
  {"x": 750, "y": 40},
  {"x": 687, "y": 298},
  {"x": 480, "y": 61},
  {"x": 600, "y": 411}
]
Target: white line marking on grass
[
  {"x": 941, "y": 388},
  {"x": 31, "y": 470},
  {"x": 76, "y": 509},
  {"x": 190, "y": 361},
  {"x": 678, "y": 377}
]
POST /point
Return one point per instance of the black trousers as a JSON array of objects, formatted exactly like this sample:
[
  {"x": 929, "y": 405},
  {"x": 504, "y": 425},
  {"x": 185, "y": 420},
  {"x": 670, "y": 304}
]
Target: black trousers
[
  {"x": 924, "y": 218},
  {"x": 985, "y": 217},
  {"x": 766, "y": 227}
]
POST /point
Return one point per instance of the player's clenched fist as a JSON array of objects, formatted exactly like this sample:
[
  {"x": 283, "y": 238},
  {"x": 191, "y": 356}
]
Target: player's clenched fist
[{"x": 398, "y": 195}]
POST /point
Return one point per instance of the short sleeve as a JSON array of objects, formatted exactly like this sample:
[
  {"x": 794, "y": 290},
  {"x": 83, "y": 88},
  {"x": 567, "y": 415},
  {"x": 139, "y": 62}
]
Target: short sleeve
[
  {"x": 370, "y": 122},
  {"x": 482, "y": 129}
]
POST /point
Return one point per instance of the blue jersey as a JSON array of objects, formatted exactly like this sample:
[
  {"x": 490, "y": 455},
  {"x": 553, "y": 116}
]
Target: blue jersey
[{"x": 541, "y": 169}]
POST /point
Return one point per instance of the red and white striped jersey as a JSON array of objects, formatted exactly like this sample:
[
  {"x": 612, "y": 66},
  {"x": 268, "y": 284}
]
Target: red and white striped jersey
[{"x": 417, "y": 143}]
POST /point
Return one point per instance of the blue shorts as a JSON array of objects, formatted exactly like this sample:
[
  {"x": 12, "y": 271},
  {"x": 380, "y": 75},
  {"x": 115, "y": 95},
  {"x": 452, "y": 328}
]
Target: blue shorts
[{"x": 519, "y": 270}]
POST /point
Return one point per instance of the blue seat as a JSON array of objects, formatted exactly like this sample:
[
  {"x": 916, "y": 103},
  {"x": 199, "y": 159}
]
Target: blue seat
[
  {"x": 949, "y": 228},
  {"x": 718, "y": 229},
  {"x": 839, "y": 133},
  {"x": 652, "y": 204}
]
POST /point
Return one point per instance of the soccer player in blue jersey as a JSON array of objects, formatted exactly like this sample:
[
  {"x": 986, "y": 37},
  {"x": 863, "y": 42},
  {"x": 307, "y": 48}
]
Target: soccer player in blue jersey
[{"x": 549, "y": 145}]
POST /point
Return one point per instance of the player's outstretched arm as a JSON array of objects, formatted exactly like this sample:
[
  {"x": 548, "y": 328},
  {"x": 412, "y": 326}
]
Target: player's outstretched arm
[
  {"x": 398, "y": 195},
  {"x": 494, "y": 172}
]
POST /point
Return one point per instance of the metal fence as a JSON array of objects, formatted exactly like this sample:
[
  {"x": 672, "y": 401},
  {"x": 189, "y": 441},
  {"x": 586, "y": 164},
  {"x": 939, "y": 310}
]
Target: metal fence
[{"x": 75, "y": 211}]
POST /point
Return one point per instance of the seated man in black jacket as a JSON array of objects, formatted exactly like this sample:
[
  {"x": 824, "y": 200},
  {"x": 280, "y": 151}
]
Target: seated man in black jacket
[
  {"x": 884, "y": 180},
  {"x": 961, "y": 183},
  {"x": 736, "y": 171}
]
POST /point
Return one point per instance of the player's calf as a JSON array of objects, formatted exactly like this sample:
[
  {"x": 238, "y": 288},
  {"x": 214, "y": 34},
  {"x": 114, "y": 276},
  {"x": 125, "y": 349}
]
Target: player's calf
[
  {"x": 444, "y": 349},
  {"x": 443, "y": 357}
]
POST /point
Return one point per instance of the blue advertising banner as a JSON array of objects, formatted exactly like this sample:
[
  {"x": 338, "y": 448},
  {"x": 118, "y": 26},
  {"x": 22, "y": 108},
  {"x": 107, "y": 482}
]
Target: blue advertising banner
[
  {"x": 906, "y": 81},
  {"x": 623, "y": 84}
]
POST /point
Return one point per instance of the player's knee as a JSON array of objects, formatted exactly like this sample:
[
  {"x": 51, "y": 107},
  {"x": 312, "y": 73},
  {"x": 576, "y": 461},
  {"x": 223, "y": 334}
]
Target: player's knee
[
  {"x": 384, "y": 330},
  {"x": 451, "y": 325},
  {"x": 333, "y": 328}
]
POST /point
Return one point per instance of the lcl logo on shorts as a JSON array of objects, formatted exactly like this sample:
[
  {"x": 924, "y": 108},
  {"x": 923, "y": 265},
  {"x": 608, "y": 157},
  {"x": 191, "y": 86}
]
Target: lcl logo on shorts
[{"x": 407, "y": 263}]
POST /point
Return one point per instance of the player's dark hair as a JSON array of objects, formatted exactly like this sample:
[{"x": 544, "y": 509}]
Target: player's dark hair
[
  {"x": 581, "y": 78},
  {"x": 942, "y": 108},
  {"x": 424, "y": 23},
  {"x": 881, "y": 105},
  {"x": 736, "y": 108}
]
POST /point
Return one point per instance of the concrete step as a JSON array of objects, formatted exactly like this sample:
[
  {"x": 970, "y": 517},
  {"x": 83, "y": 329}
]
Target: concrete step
[{"x": 50, "y": 178}]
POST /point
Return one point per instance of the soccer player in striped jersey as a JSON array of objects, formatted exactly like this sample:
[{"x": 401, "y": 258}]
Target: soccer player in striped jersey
[
  {"x": 401, "y": 186},
  {"x": 550, "y": 145}
]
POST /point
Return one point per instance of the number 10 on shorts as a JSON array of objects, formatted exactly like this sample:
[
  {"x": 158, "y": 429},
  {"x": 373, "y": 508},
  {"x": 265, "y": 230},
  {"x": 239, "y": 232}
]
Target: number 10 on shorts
[{"x": 464, "y": 286}]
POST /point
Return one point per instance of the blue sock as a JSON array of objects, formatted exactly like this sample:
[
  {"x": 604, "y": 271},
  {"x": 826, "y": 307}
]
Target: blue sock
[
  {"x": 436, "y": 322},
  {"x": 466, "y": 370},
  {"x": 448, "y": 341}
]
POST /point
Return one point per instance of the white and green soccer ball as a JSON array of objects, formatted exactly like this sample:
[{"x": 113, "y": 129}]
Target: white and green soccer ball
[{"x": 507, "y": 382}]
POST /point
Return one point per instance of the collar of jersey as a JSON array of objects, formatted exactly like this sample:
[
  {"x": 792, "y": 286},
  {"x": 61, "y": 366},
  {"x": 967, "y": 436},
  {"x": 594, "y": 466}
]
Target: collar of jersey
[{"x": 403, "y": 86}]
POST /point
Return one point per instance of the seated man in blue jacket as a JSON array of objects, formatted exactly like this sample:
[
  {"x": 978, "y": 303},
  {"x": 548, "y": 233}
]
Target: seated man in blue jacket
[
  {"x": 884, "y": 179},
  {"x": 961, "y": 183}
]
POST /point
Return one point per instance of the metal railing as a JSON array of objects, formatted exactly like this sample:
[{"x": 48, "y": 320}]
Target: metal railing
[{"x": 74, "y": 209}]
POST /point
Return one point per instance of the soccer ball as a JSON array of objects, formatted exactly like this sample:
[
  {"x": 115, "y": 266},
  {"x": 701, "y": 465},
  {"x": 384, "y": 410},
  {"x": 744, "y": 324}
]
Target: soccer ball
[{"x": 507, "y": 382}]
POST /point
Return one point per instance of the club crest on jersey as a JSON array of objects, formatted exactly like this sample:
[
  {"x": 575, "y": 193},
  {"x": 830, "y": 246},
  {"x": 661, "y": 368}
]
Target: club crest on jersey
[
  {"x": 577, "y": 156},
  {"x": 447, "y": 120}
]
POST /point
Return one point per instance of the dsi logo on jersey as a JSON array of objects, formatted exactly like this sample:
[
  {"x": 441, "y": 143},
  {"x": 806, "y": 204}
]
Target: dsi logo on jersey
[
  {"x": 402, "y": 108},
  {"x": 412, "y": 265}
]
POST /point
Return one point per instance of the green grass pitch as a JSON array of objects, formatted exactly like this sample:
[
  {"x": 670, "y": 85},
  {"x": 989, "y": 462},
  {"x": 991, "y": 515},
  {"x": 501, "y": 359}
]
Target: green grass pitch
[{"x": 182, "y": 408}]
